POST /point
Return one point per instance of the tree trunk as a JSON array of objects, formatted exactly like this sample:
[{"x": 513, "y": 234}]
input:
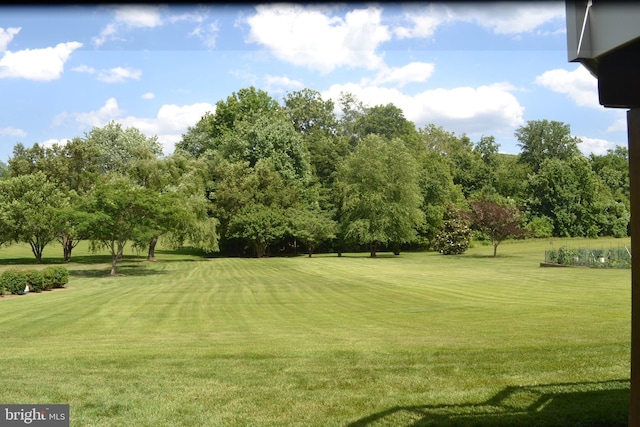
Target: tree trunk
[
  {"x": 118, "y": 255},
  {"x": 37, "y": 252},
  {"x": 152, "y": 249},
  {"x": 373, "y": 249},
  {"x": 396, "y": 248},
  {"x": 114, "y": 262},
  {"x": 495, "y": 249},
  {"x": 67, "y": 246},
  {"x": 259, "y": 250}
]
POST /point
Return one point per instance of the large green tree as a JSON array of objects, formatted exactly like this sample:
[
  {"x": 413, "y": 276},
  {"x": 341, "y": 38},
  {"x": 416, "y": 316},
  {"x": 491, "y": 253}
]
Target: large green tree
[
  {"x": 466, "y": 165},
  {"x": 31, "y": 211},
  {"x": 436, "y": 180},
  {"x": 510, "y": 177},
  {"x": 267, "y": 136},
  {"x": 387, "y": 121},
  {"x": 120, "y": 211},
  {"x": 252, "y": 204},
  {"x": 128, "y": 152},
  {"x": 381, "y": 195},
  {"x": 315, "y": 120},
  {"x": 613, "y": 170},
  {"x": 351, "y": 109},
  {"x": 184, "y": 180},
  {"x": 73, "y": 167},
  {"x": 312, "y": 227},
  {"x": 543, "y": 139},
  {"x": 259, "y": 225},
  {"x": 121, "y": 149},
  {"x": 575, "y": 200},
  {"x": 244, "y": 105},
  {"x": 310, "y": 114}
]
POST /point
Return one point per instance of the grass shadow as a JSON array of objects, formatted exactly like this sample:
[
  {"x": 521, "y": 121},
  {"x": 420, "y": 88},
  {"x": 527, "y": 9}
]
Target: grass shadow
[
  {"x": 488, "y": 256},
  {"x": 129, "y": 269},
  {"x": 587, "y": 404},
  {"x": 79, "y": 259},
  {"x": 367, "y": 255},
  {"x": 30, "y": 261},
  {"x": 87, "y": 259}
]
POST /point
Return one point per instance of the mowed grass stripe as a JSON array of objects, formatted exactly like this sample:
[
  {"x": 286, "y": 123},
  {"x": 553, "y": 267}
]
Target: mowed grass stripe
[
  {"x": 170, "y": 303},
  {"x": 317, "y": 341}
]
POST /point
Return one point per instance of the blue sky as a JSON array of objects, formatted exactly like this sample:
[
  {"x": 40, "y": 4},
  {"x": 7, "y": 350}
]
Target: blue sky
[{"x": 478, "y": 69}]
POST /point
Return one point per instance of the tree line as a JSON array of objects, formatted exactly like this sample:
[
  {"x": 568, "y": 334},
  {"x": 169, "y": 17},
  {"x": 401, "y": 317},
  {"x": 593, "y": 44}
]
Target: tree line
[{"x": 259, "y": 177}]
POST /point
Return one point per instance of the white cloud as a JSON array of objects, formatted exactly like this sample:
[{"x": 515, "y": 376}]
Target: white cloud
[
  {"x": 490, "y": 109},
  {"x": 412, "y": 72},
  {"x": 138, "y": 16},
  {"x": 118, "y": 75},
  {"x": 309, "y": 37},
  {"x": 143, "y": 16},
  {"x": 199, "y": 16},
  {"x": 84, "y": 69},
  {"x": 110, "y": 75},
  {"x": 37, "y": 64},
  {"x": 109, "y": 111},
  {"x": 620, "y": 125},
  {"x": 169, "y": 124},
  {"x": 128, "y": 17},
  {"x": 148, "y": 95},
  {"x": 509, "y": 18},
  {"x": 6, "y": 36},
  {"x": 208, "y": 34},
  {"x": 280, "y": 83},
  {"x": 595, "y": 145},
  {"x": 578, "y": 84},
  {"x": 424, "y": 21},
  {"x": 107, "y": 33},
  {"x": 11, "y": 131},
  {"x": 49, "y": 143}
]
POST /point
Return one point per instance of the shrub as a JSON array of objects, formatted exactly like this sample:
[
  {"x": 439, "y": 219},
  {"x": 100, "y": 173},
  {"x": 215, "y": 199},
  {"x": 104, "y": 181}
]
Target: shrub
[
  {"x": 35, "y": 280},
  {"x": 454, "y": 237},
  {"x": 13, "y": 281},
  {"x": 55, "y": 277},
  {"x": 540, "y": 227},
  {"x": 49, "y": 277}
]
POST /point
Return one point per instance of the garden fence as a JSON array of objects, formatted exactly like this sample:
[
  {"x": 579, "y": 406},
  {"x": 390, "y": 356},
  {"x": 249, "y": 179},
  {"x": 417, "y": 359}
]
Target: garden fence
[{"x": 619, "y": 257}]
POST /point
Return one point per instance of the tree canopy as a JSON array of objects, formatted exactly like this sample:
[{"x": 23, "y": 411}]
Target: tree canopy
[
  {"x": 260, "y": 176},
  {"x": 381, "y": 194},
  {"x": 544, "y": 139},
  {"x": 31, "y": 211}
]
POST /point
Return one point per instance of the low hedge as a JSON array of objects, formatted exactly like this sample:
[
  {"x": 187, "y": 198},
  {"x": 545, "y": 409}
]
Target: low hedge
[
  {"x": 55, "y": 277},
  {"x": 35, "y": 280},
  {"x": 15, "y": 281}
]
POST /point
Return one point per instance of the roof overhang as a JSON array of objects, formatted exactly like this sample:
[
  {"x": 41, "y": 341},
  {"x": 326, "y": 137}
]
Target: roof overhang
[{"x": 604, "y": 36}]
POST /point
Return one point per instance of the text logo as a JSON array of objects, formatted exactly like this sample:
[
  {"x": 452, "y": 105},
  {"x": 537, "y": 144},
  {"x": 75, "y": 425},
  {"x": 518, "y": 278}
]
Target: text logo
[{"x": 34, "y": 415}]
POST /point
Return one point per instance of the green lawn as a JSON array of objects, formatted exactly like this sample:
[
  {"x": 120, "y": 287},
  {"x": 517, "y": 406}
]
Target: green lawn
[{"x": 419, "y": 339}]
